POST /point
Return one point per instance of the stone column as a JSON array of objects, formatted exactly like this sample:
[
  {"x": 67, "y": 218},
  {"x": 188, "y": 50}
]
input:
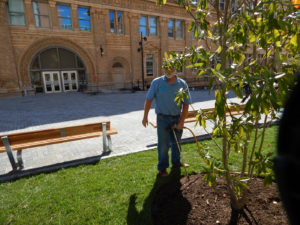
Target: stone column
[
  {"x": 187, "y": 34},
  {"x": 163, "y": 30},
  {"x": 9, "y": 80},
  {"x": 136, "y": 60},
  {"x": 98, "y": 20},
  {"x": 126, "y": 23},
  {"x": 29, "y": 14},
  {"x": 74, "y": 17},
  {"x": 53, "y": 15}
]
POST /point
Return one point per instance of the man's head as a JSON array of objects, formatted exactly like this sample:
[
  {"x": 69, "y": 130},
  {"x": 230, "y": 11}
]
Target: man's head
[
  {"x": 169, "y": 68},
  {"x": 170, "y": 72}
]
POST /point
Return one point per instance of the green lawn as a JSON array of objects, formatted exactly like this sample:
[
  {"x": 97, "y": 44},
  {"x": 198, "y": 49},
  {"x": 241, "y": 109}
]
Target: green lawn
[{"x": 114, "y": 191}]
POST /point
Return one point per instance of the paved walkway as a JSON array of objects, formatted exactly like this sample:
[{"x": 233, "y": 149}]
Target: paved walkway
[{"x": 124, "y": 110}]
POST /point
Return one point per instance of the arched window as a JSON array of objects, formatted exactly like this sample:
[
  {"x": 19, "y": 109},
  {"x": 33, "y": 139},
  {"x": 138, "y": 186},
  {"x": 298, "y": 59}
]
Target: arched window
[
  {"x": 117, "y": 65},
  {"x": 55, "y": 59}
]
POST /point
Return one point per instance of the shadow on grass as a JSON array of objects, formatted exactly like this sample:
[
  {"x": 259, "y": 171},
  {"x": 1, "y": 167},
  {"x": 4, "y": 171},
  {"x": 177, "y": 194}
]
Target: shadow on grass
[
  {"x": 151, "y": 213},
  {"x": 15, "y": 175}
]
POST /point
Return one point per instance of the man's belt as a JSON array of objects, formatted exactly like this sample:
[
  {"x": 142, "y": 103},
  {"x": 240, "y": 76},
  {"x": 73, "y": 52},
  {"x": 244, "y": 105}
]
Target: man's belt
[{"x": 171, "y": 116}]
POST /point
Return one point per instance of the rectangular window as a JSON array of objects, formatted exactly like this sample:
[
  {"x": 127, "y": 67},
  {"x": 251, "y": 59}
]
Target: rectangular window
[
  {"x": 120, "y": 22},
  {"x": 64, "y": 17},
  {"x": 116, "y": 21},
  {"x": 149, "y": 65},
  {"x": 143, "y": 25},
  {"x": 153, "y": 26},
  {"x": 148, "y": 26},
  {"x": 84, "y": 19},
  {"x": 171, "y": 28},
  {"x": 16, "y": 12},
  {"x": 112, "y": 21},
  {"x": 222, "y": 4},
  {"x": 41, "y": 14},
  {"x": 179, "y": 29}
]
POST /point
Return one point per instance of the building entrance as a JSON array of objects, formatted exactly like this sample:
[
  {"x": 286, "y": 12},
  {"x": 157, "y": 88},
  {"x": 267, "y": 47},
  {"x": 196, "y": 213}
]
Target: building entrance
[
  {"x": 57, "y": 70},
  {"x": 52, "y": 82},
  {"x": 69, "y": 80},
  {"x": 55, "y": 81}
]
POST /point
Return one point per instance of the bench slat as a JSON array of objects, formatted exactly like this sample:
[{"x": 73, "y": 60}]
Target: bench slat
[{"x": 31, "y": 144}]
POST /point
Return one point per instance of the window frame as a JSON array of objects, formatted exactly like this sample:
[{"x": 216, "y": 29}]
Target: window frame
[
  {"x": 116, "y": 22},
  {"x": 59, "y": 16},
  {"x": 146, "y": 65},
  {"x": 118, "y": 26},
  {"x": 41, "y": 15},
  {"x": 175, "y": 30},
  {"x": 82, "y": 19},
  {"x": 144, "y": 26},
  {"x": 148, "y": 25},
  {"x": 16, "y": 13},
  {"x": 156, "y": 30},
  {"x": 182, "y": 31}
]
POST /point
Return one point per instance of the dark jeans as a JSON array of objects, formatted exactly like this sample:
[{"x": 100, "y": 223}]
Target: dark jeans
[{"x": 166, "y": 139}]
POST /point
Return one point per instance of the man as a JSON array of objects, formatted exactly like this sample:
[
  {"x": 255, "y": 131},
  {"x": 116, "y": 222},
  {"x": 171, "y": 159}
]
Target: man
[{"x": 169, "y": 115}]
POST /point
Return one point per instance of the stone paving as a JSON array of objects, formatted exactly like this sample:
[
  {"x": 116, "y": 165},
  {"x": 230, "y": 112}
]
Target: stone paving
[{"x": 124, "y": 110}]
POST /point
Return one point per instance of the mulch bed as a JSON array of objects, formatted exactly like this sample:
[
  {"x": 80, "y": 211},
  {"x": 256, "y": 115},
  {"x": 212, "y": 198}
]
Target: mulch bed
[{"x": 192, "y": 201}]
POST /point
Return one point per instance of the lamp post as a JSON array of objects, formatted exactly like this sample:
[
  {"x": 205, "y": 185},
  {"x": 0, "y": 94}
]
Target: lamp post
[{"x": 141, "y": 49}]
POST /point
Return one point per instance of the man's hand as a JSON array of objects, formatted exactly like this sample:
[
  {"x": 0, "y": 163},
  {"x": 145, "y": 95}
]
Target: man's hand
[
  {"x": 180, "y": 125},
  {"x": 145, "y": 122},
  {"x": 146, "y": 111}
]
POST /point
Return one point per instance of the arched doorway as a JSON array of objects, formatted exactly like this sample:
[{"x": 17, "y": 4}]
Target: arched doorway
[
  {"x": 57, "y": 69},
  {"x": 120, "y": 73}
]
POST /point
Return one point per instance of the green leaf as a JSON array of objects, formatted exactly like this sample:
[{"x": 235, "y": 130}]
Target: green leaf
[
  {"x": 218, "y": 67},
  {"x": 252, "y": 38},
  {"x": 293, "y": 40},
  {"x": 203, "y": 123},
  {"x": 241, "y": 59},
  {"x": 217, "y": 74},
  {"x": 219, "y": 49},
  {"x": 220, "y": 104},
  {"x": 269, "y": 53},
  {"x": 209, "y": 34}
]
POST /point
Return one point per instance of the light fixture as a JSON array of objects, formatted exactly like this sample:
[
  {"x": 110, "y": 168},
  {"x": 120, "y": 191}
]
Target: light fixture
[{"x": 101, "y": 50}]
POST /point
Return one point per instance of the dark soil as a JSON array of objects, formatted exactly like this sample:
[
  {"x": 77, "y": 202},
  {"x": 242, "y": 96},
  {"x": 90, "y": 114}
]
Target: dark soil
[{"x": 192, "y": 201}]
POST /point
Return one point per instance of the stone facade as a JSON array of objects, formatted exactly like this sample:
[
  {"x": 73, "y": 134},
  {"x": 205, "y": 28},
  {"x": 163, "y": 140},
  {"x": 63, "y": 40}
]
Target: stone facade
[{"x": 108, "y": 58}]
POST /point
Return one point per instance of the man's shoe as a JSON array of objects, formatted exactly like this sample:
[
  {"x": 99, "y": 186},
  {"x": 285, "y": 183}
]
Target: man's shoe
[{"x": 163, "y": 173}]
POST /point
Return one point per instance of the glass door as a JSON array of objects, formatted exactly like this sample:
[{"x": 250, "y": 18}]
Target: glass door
[
  {"x": 69, "y": 80},
  {"x": 52, "y": 82}
]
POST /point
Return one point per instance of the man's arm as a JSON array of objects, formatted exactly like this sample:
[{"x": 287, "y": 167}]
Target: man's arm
[
  {"x": 184, "y": 113},
  {"x": 147, "y": 107}
]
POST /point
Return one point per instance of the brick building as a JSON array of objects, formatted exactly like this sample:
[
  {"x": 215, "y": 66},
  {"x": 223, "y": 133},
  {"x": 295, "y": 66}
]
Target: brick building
[{"x": 59, "y": 46}]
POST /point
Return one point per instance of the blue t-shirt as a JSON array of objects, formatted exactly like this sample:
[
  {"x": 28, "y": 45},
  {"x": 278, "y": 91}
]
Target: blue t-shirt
[{"x": 165, "y": 93}]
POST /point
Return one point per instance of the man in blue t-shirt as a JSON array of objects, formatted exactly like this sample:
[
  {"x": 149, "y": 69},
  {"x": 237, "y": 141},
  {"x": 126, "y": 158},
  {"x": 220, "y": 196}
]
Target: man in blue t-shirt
[{"x": 164, "y": 90}]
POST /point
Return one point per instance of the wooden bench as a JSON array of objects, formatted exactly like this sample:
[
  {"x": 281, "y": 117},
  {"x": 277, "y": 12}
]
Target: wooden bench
[
  {"x": 191, "y": 116},
  {"x": 20, "y": 141}
]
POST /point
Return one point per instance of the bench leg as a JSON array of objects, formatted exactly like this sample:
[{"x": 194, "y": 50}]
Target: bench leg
[
  {"x": 20, "y": 160},
  {"x": 106, "y": 140},
  {"x": 109, "y": 143},
  {"x": 9, "y": 152}
]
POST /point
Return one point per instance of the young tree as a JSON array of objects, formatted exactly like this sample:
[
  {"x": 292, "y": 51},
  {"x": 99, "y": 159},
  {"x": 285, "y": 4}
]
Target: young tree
[{"x": 267, "y": 31}]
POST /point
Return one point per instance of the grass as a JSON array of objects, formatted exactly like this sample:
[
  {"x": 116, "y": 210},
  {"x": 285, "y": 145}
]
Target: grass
[{"x": 114, "y": 191}]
